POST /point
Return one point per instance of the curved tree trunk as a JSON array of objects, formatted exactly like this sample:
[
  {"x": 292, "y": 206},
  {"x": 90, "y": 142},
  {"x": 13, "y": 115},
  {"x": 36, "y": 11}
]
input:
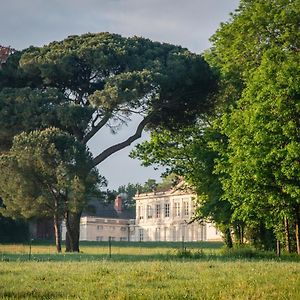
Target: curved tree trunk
[{"x": 73, "y": 230}]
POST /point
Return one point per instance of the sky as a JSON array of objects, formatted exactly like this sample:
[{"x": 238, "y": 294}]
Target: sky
[{"x": 188, "y": 23}]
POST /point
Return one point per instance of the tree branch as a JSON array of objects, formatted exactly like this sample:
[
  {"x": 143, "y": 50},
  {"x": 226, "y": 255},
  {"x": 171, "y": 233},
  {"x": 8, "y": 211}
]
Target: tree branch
[
  {"x": 96, "y": 128},
  {"x": 113, "y": 149}
]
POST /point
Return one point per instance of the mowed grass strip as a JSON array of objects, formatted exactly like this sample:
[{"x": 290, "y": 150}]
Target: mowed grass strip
[
  {"x": 100, "y": 250},
  {"x": 150, "y": 280},
  {"x": 118, "y": 247}
]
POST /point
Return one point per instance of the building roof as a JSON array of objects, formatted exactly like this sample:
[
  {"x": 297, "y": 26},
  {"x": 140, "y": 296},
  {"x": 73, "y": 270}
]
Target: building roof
[
  {"x": 107, "y": 210},
  {"x": 181, "y": 188}
]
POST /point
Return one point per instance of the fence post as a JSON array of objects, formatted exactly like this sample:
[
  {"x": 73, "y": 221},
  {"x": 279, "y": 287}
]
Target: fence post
[
  {"x": 29, "y": 255},
  {"x": 109, "y": 246}
]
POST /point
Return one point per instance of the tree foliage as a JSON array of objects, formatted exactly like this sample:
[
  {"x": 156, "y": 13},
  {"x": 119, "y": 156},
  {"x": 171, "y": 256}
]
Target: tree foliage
[
  {"x": 250, "y": 162},
  {"x": 257, "y": 55},
  {"x": 46, "y": 173},
  {"x": 263, "y": 143},
  {"x": 84, "y": 83},
  {"x": 104, "y": 79}
]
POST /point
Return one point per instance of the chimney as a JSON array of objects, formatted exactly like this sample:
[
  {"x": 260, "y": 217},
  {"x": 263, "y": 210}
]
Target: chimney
[
  {"x": 118, "y": 204},
  {"x": 4, "y": 53}
]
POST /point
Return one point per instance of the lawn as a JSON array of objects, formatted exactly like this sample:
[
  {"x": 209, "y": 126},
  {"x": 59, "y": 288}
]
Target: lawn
[{"x": 145, "y": 271}]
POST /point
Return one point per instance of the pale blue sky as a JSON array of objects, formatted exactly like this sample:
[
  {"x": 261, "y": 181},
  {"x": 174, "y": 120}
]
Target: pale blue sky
[{"x": 188, "y": 23}]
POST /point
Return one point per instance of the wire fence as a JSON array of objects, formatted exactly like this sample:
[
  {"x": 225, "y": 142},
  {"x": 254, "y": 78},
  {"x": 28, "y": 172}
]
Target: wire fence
[{"x": 133, "y": 251}]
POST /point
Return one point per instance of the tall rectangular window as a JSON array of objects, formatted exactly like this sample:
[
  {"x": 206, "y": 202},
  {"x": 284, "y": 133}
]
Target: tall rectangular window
[
  {"x": 167, "y": 210},
  {"x": 177, "y": 209},
  {"x": 141, "y": 234},
  {"x": 141, "y": 212},
  {"x": 186, "y": 208},
  {"x": 149, "y": 211},
  {"x": 157, "y": 210}
]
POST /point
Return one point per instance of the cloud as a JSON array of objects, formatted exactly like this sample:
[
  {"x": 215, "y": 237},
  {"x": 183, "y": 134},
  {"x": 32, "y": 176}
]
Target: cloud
[{"x": 188, "y": 23}]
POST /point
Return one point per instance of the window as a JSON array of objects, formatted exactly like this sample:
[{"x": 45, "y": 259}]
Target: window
[
  {"x": 167, "y": 210},
  {"x": 141, "y": 212},
  {"x": 149, "y": 211},
  {"x": 186, "y": 208},
  {"x": 123, "y": 228},
  {"x": 99, "y": 227},
  {"x": 177, "y": 209},
  {"x": 157, "y": 234},
  {"x": 165, "y": 233},
  {"x": 157, "y": 208},
  {"x": 99, "y": 238},
  {"x": 112, "y": 227},
  {"x": 123, "y": 239},
  {"x": 141, "y": 234}
]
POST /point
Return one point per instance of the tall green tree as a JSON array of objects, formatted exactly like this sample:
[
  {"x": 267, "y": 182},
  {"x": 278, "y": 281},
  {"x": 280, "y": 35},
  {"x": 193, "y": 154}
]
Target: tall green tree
[
  {"x": 249, "y": 51},
  {"x": 97, "y": 80},
  {"x": 47, "y": 173},
  {"x": 262, "y": 154}
]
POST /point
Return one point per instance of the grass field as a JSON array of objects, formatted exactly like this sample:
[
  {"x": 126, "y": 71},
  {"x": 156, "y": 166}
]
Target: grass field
[{"x": 146, "y": 271}]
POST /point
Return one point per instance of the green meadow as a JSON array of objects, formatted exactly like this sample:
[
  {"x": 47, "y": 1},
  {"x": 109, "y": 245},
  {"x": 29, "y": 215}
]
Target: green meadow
[{"x": 146, "y": 271}]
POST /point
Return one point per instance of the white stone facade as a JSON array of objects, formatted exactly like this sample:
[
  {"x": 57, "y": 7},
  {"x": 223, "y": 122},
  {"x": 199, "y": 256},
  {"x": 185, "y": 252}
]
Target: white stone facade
[
  {"x": 160, "y": 216},
  {"x": 165, "y": 216},
  {"x": 100, "y": 229}
]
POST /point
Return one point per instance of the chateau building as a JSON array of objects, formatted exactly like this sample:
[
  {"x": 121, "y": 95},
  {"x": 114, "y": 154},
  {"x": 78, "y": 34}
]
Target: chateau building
[
  {"x": 159, "y": 216},
  {"x": 166, "y": 216}
]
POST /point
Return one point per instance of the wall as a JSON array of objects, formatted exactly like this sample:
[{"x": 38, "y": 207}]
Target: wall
[{"x": 165, "y": 216}]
